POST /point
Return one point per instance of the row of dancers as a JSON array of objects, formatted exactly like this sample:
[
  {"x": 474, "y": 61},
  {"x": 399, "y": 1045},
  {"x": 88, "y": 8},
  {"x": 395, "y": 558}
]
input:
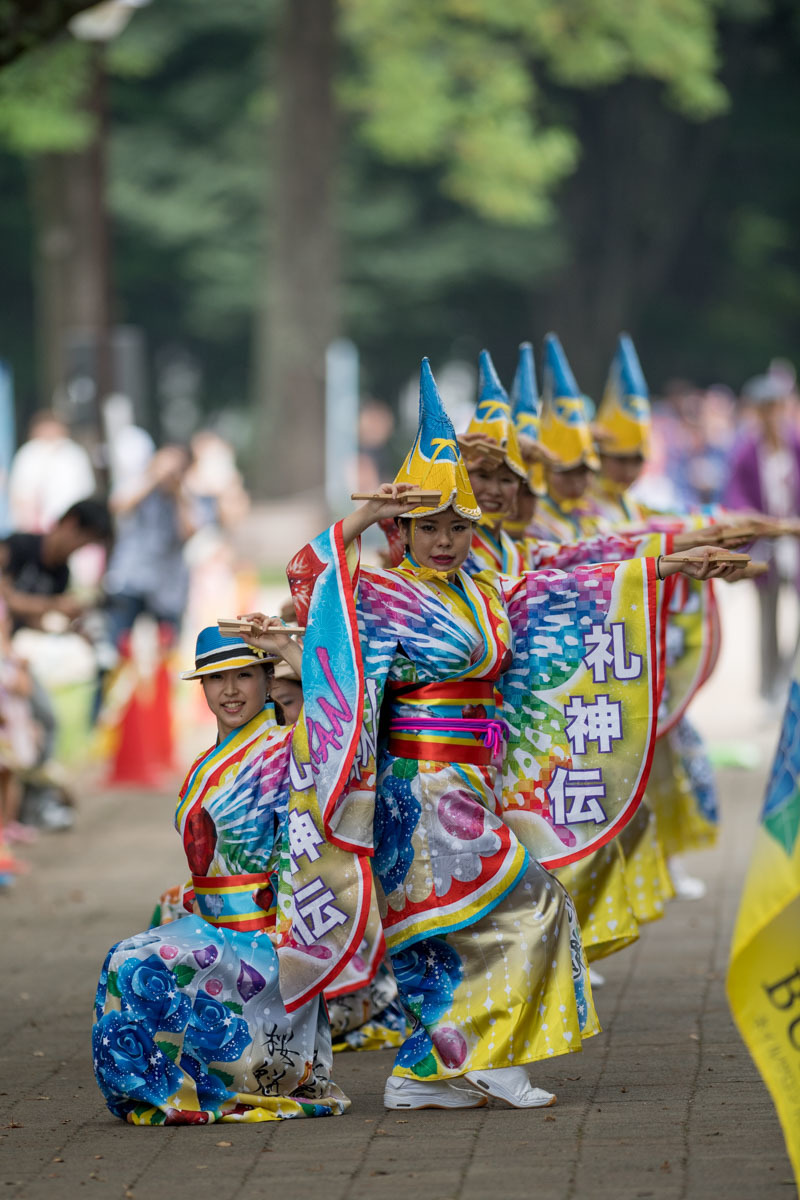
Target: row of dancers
[{"x": 472, "y": 778}]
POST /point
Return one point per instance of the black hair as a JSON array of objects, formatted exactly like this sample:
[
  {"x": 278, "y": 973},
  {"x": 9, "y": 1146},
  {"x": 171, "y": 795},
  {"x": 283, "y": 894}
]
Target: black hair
[{"x": 91, "y": 516}]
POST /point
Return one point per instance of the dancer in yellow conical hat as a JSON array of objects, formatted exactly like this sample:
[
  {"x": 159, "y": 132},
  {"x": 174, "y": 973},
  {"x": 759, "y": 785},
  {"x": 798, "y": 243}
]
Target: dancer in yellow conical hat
[
  {"x": 434, "y": 462},
  {"x": 497, "y": 472},
  {"x": 565, "y": 433},
  {"x": 622, "y": 424},
  {"x": 492, "y": 425},
  {"x": 526, "y": 407},
  {"x": 563, "y": 426}
]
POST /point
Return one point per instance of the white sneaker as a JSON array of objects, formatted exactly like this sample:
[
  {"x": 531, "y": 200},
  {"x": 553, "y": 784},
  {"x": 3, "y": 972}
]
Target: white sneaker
[
  {"x": 401, "y": 1092},
  {"x": 510, "y": 1084},
  {"x": 595, "y": 978},
  {"x": 687, "y": 887}
]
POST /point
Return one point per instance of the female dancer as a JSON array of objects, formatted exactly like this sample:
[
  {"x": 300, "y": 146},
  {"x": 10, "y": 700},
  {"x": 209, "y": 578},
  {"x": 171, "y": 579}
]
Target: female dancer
[
  {"x": 190, "y": 1026},
  {"x": 407, "y": 686},
  {"x": 619, "y": 885}
]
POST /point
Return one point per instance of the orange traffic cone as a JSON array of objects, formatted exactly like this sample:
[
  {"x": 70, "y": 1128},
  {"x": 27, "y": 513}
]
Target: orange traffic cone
[
  {"x": 135, "y": 762},
  {"x": 160, "y": 719}
]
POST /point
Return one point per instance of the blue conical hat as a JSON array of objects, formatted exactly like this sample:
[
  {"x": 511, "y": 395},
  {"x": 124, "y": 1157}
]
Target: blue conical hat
[
  {"x": 492, "y": 421},
  {"x": 526, "y": 404},
  {"x": 622, "y": 424},
  {"x": 526, "y": 409},
  {"x": 434, "y": 462},
  {"x": 563, "y": 426}
]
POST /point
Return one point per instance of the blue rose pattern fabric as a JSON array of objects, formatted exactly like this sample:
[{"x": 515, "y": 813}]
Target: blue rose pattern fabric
[{"x": 190, "y": 1028}]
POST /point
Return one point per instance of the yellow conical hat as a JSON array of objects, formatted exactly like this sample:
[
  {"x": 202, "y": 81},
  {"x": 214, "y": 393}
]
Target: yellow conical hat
[
  {"x": 622, "y": 424},
  {"x": 492, "y": 423},
  {"x": 434, "y": 462},
  {"x": 564, "y": 428}
]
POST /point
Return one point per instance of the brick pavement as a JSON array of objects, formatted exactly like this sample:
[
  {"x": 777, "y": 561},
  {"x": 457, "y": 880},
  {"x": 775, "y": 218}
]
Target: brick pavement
[{"x": 665, "y": 1104}]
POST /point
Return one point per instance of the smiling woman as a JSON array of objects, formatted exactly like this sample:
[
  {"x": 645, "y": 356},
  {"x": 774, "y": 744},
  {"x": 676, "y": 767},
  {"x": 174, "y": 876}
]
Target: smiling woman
[
  {"x": 235, "y": 696},
  {"x": 190, "y": 1026}
]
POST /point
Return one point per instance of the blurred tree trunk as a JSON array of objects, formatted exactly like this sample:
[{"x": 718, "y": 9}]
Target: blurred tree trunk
[
  {"x": 299, "y": 314},
  {"x": 632, "y": 203},
  {"x": 72, "y": 257}
]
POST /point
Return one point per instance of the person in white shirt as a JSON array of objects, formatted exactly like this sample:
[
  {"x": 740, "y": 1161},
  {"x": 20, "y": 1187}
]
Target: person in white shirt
[{"x": 49, "y": 473}]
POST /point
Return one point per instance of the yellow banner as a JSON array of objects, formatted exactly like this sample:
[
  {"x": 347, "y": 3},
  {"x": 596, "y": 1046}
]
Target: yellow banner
[{"x": 764, "y": 971}]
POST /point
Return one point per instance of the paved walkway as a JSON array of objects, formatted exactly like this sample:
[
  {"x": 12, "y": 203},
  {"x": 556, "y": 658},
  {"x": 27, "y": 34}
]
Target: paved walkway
[{"x": 665, "y": 1104}]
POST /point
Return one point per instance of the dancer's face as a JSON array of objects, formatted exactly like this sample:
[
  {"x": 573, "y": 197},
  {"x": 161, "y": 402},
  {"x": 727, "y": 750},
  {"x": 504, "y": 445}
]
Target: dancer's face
[
  {"x": 568, "y": 485},
  {"x": 441, "y": 541},
  {"x": 496, "y": 487},
  {"x": 622, "y": 469},
  {"x": 235, "y": 696},
  {"x": 526, "y": 505},
  {"x": 289, "y": 694}
]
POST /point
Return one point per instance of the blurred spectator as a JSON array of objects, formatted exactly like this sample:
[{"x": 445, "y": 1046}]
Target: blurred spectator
[
  {"x": 765, "y": 477},
  {"x": 155, "y": 517},
  {"x": 34, "y": 579},
  {"x": 214, "y": 482},
  {"x": 219, "y": 504},
  {"x": 22, "y": 738},
  {"x": 692, "y": 434},
  {"x": 130, "y": 447},
  {"x": 375, "y": 428},
  {"x": 49, "y": 473}
]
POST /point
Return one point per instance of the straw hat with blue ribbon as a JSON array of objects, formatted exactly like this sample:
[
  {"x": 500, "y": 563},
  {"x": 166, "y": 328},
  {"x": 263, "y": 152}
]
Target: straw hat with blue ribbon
[{"x": 214, "y": 653}]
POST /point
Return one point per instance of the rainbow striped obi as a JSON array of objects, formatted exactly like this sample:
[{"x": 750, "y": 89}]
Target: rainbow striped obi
[
  {"x": 240, "y": 902},
  {"x": 446, "y": 722}
]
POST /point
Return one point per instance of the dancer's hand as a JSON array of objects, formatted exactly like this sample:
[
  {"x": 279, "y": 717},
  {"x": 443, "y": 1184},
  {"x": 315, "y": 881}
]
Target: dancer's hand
[
  {"x": 533, "y": 451},
  {"x": 270, "y": 639},
  {"x": 393, "y": 505},
  {"x": 699, "y": 566},
  {"x": 389, "y": 504}
]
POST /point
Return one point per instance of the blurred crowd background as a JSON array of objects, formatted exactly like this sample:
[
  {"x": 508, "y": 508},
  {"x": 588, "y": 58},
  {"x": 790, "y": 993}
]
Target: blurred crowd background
[{"x": 228, "y": 233}]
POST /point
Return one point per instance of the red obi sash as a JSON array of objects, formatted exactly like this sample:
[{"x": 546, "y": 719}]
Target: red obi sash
[{"x": 446, "y": 722}]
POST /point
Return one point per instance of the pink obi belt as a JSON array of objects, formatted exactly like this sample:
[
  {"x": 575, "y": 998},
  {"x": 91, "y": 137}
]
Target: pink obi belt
[{"x": 447, "y": 722}]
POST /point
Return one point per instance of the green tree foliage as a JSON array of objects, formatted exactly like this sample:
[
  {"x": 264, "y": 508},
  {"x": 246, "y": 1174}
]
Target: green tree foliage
[
  {"x": 40, "y": 100},
  {"x": 490, "y": 153},
  {"x": 26, "y": 24},
  {"x": 456, "y": 84}
]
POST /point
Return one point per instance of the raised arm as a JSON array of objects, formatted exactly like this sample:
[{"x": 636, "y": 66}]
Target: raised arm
[{"x": 373, "y": 511}]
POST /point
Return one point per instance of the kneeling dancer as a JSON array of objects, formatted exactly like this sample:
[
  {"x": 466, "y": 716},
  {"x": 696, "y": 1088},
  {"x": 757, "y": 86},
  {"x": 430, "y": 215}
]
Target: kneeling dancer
[{"x": 190, "y": 1026}]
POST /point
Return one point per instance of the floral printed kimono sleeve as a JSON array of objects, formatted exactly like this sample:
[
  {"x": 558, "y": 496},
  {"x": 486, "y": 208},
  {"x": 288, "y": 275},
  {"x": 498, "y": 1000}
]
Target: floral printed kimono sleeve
[
  {"x": 326, "y": 883},
  {"x": 580, "y": 699}
]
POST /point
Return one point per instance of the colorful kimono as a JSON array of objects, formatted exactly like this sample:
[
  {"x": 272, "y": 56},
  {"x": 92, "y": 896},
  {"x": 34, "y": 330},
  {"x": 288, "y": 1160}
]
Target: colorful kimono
[
  {"x": 362, "y": 1004},
  {"x": 190, "y": 1026},
  {"x": 627, "y": 883},
  {"x": 682, "y": 791},
  {"x": 493, "y": 549},
  {"x": 430, "y": 675}
]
